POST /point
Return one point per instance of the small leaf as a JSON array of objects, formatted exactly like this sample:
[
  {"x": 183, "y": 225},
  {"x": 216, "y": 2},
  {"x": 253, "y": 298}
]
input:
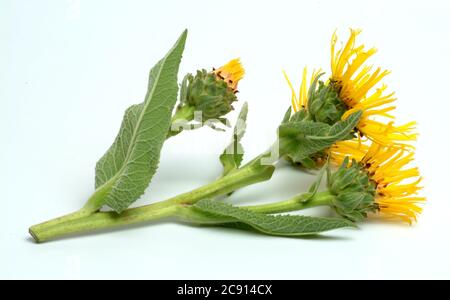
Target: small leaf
[
  {"x": 184, "y": 87},
  {"x": 308, "y": 163},
  {"x": 232, "y": 156},
  {"x": 340, "y": 128},
  {"x": 279, "y": 225},
  {"x": 305, "y": 138},
  {"x": 313, "y": 88},
  {"x": 315, "y": 186},
  {"x": 299, "y": 116},
  {"x": 127, "y": 168}
]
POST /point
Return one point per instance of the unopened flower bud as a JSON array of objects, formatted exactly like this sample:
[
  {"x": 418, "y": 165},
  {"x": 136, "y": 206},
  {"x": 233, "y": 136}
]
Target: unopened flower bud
[{"x": 213, "y": 93}]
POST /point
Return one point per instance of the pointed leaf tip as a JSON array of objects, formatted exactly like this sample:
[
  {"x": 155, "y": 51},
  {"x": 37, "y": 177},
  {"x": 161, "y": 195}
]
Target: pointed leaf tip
[{"x": 126, "y": 169}]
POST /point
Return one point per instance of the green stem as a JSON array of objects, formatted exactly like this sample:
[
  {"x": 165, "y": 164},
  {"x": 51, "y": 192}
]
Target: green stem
[
  {"x": 81, "y": 221},
  {"x": 252, "y": 172},
  {"x": 184, "y": 113},
  {"x": 165, "y": 209}
]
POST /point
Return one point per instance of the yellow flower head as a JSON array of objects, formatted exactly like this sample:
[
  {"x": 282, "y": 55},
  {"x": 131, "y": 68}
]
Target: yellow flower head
[
  {"x": 356, "y": 84},
  {"x": 231, "y": 73},
  {"x": 396, "y": 184}
]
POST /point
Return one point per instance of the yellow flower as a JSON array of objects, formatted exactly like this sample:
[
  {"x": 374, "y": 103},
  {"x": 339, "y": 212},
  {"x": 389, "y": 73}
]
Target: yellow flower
[
  {"x": 356, "y": 86},
  {"x": 354, "y": 81},
  {"x": 396, "y": 184},
  {"x": 231, "y": 73}
]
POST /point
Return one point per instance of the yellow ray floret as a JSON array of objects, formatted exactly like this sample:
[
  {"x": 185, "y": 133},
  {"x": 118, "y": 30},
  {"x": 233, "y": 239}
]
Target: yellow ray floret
[
  {"x": 300, "y": 101},
  {"x": 232, "y": 72},
  {"x": 397, "y": 184},
  {"x": 348, "y": 72},
  {"x": 354, "y": 149},
  {"x": 356, "y": 84}
]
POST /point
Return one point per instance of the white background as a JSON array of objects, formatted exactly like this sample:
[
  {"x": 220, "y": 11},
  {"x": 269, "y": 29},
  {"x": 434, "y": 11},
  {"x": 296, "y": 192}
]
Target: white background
[{"x": 69, "y": 69}]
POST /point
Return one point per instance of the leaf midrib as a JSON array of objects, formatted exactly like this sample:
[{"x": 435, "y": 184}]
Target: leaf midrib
[
  {"x": 313, "y": 137},
  {"x": 138, "y": 124}
]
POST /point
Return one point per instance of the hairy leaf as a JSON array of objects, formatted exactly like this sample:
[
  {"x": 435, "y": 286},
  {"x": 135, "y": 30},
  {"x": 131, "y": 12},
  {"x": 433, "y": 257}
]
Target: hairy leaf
[
  {"x": 280, "y": 225},
  {"x": 314, "y": 188},
  {"x": 305, "y": 138},
  {"x": 128, "y": 166}
]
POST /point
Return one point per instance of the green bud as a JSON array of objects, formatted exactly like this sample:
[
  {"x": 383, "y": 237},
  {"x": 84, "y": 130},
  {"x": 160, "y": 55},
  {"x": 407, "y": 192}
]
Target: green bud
[
  {"x": 353, "y": 190},
  {"x": 208, "y": 93},
  {"x": 324, "y": 104}
]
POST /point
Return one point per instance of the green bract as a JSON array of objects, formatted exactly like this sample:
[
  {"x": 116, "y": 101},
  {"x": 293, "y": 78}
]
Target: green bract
[
  {"x": 324, "y": 105},
  {"x": 354, "y": 191},
  {"x": 233, "y": 154},
  {"x": 208, "y": 94}
]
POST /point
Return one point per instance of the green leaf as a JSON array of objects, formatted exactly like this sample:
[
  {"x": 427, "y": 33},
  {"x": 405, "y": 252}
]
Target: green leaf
[
  {"x": 299, "y": 116},
  {"x": 232, "y": 156},
  {"x": 128, "y": 166},
  {"x": 304, "y": 138},
  {"x": 315, "y": 186},
  {"x": 280, "y": 225},
  {"x": 305, "y": 128},
  {"x": 184, "y": 87}
]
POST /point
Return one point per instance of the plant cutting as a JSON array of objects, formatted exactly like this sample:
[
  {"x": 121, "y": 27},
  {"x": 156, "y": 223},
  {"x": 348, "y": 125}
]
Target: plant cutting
[{"x": 330, "y": 123}]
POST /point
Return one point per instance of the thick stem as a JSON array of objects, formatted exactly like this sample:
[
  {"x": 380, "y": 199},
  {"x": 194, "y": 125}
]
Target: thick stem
[
  {"x": 85, "y": 220},
  {"x": 102, "y": 220},
  {"x": 165, "y": 209},
  {"x": 94, "y": 203}
]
